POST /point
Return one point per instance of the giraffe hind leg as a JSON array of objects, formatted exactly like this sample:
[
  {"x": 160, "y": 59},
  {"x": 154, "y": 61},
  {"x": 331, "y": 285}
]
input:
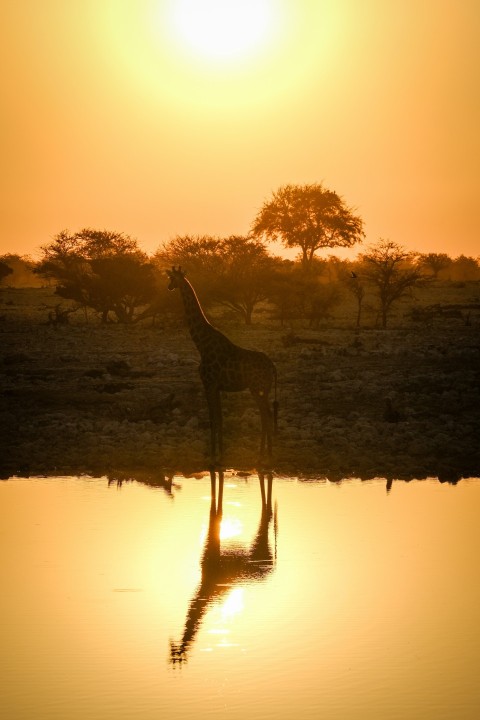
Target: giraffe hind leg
[
  {"x": 216, "y": 430},
  {"x": 261, "y": 399}
]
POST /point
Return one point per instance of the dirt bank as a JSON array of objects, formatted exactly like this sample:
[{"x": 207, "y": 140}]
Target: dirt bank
[{"x": 401, "y": 403}]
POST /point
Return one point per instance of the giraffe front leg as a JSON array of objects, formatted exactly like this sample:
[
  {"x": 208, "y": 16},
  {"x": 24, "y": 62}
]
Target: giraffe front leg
[
  {"x": 215, "y": 415},
  {"x": 266, "y": 497},
  {"x": 213, "y": 426},
  {"x": 219, "y": 426},
  {"x": 266, "y": 420}
]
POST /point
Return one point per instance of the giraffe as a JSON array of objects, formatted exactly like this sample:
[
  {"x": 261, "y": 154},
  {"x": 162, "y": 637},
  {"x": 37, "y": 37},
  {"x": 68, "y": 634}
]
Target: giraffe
[
  {"x": 226, "y": 367},
  {"x": 222, "y": 568}
]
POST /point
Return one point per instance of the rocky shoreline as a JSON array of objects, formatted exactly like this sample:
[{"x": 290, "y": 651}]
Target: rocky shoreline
[{"x": 82, "y": 399}]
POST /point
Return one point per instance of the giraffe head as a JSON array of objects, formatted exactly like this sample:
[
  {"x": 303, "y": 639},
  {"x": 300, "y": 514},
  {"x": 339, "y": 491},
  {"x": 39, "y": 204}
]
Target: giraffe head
[{"x": 176, "y": 276}]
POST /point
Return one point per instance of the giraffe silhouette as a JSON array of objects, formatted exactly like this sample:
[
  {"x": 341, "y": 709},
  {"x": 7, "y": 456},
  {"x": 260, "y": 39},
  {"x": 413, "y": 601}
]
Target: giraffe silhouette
[
  {"x": 227, "y": 367},
  {"x": 223, "y": 568}
]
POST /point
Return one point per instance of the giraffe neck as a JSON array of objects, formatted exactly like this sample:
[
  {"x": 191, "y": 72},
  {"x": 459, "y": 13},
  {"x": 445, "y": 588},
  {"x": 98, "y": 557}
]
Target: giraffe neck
[{"x": 199, "y": 326}]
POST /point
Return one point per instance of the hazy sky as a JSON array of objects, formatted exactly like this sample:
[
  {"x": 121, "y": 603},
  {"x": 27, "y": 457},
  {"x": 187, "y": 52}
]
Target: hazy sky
[{"x": 143, "y": 117}]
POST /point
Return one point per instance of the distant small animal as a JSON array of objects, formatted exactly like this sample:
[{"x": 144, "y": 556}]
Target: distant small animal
[{"x": 354, "y": 275}]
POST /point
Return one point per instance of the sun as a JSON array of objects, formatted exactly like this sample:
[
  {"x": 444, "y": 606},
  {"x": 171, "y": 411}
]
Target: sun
[{"x": 222, "y": 30}]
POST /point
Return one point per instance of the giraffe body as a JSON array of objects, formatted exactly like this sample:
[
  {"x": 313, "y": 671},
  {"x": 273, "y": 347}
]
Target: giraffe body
[{"x": 226, "y": 367}]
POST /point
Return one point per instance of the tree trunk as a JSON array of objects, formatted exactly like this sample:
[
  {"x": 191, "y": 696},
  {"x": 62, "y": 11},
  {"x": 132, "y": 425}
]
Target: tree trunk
[{"x": 384, "y": 317}]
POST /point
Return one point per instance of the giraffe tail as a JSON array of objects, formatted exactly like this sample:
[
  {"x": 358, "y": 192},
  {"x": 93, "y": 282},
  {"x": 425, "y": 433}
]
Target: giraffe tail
[{"x": 275, "y": 402}]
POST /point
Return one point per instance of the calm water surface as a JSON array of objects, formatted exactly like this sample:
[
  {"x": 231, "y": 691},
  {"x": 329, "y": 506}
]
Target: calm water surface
[{"x": 346, "y": 603}]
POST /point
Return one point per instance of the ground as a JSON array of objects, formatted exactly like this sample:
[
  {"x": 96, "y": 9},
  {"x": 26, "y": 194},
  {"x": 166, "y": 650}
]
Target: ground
[{"x": 123, "y": 401}]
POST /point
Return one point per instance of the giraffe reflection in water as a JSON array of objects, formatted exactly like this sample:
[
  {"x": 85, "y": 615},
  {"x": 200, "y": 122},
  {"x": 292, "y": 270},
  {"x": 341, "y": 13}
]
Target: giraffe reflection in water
[{"x": 223, "y": 568}]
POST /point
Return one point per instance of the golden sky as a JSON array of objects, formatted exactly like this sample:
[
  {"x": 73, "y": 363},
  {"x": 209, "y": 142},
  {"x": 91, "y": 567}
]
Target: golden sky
[{"x": 156, "y": 118}]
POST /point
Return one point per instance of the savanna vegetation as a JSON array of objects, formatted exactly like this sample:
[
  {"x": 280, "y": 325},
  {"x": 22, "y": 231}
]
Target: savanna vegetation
[
  {"x": 377, "y": 357},
  {"x": 105, "y": 274}
]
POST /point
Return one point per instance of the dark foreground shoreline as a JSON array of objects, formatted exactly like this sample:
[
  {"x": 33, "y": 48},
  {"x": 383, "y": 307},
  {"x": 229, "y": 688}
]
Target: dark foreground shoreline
[{"x": 397, "y": 404}]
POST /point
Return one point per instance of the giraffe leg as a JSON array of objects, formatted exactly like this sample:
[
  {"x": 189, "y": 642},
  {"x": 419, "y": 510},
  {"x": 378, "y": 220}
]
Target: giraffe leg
[
  {"x": 220, "y": 426},
  {"x": 216, "y": 429},
  {"x": 261, "y": 399},
  {"x": 211, "y": 402}
]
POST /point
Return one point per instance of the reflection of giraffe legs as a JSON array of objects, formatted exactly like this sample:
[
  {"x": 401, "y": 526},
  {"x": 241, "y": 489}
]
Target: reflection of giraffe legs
[
  {"x": 211, "y": 573},
  {"x": 222, "y": 569},
  {"x": 266, "y": 501},
  {"x": 216, "y": 502}
]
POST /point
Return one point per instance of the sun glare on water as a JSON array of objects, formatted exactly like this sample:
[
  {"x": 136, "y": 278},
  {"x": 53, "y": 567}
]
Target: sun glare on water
[{"x": 222, "y": 30}]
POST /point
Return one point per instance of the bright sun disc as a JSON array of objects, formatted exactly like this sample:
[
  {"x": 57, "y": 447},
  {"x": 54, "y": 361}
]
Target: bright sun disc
[{"x": 222, "y": 29}]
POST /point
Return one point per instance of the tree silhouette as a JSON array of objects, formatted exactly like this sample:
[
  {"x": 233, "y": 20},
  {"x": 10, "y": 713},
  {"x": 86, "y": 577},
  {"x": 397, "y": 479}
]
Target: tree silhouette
[
  {"x": 309, "y": 217},
  {"x": 465, "y": 268},
  {"x": 392, "y": 272},
  {"x": 5, "y": 270},
  {"x": 102, "y": 270},
  {"x": 296, "y": 294},
  {"x": 435, "y": 262},
  {"x": 234, "y": 272},
  {"x": 198, "y": 254},
  {"x": 246, "y": 275}
]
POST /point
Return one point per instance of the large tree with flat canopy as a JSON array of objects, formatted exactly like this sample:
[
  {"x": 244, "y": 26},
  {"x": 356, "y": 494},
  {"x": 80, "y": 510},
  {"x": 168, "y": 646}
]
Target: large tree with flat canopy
[{"x": 310, "y": 217}]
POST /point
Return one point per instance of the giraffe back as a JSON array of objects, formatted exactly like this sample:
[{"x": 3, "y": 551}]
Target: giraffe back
[{"x": 231, "y": 368}]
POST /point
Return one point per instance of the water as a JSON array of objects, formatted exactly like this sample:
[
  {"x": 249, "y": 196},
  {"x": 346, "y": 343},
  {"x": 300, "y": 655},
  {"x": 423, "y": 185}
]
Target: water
[{"x": 347, "y": 602}]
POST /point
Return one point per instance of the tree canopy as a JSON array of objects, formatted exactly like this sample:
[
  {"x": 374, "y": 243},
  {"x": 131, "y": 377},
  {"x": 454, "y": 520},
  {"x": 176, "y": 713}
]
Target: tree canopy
[
  {"x": 309, "y": 217},
  {"x": 5, "y": 270},
  {"x": 100, "y": 269},
  {"x": 246, "y": 275},
  {"x": 435, "y": 262},
  {"x": 392, "y": 271},
  {"x": 233, "y": 271},
  {"x": 199, "y": 254}
]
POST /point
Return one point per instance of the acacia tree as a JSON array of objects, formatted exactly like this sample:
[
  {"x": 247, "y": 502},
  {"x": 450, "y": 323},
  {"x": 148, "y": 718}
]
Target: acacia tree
[
  {"x": 392, "y": 272},
  {"x": 100, "y": 269},
  {"x": 435, "y": 262},
  {"x": 233, "y": 271},
  {"x": 352, "y": 276},
  {"x": 465, "y": 268},
  {"x": 5, "y": 270},
  {"x": 245, "y": 277},
  {"x": 298, "y": 295},
  {"x": 199, "y": 254},
  {"x": 309, "y": 217}
]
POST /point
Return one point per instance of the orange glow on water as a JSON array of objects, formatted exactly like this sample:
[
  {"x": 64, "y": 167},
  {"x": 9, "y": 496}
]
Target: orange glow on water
[{"x": 366, "y": 608}]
